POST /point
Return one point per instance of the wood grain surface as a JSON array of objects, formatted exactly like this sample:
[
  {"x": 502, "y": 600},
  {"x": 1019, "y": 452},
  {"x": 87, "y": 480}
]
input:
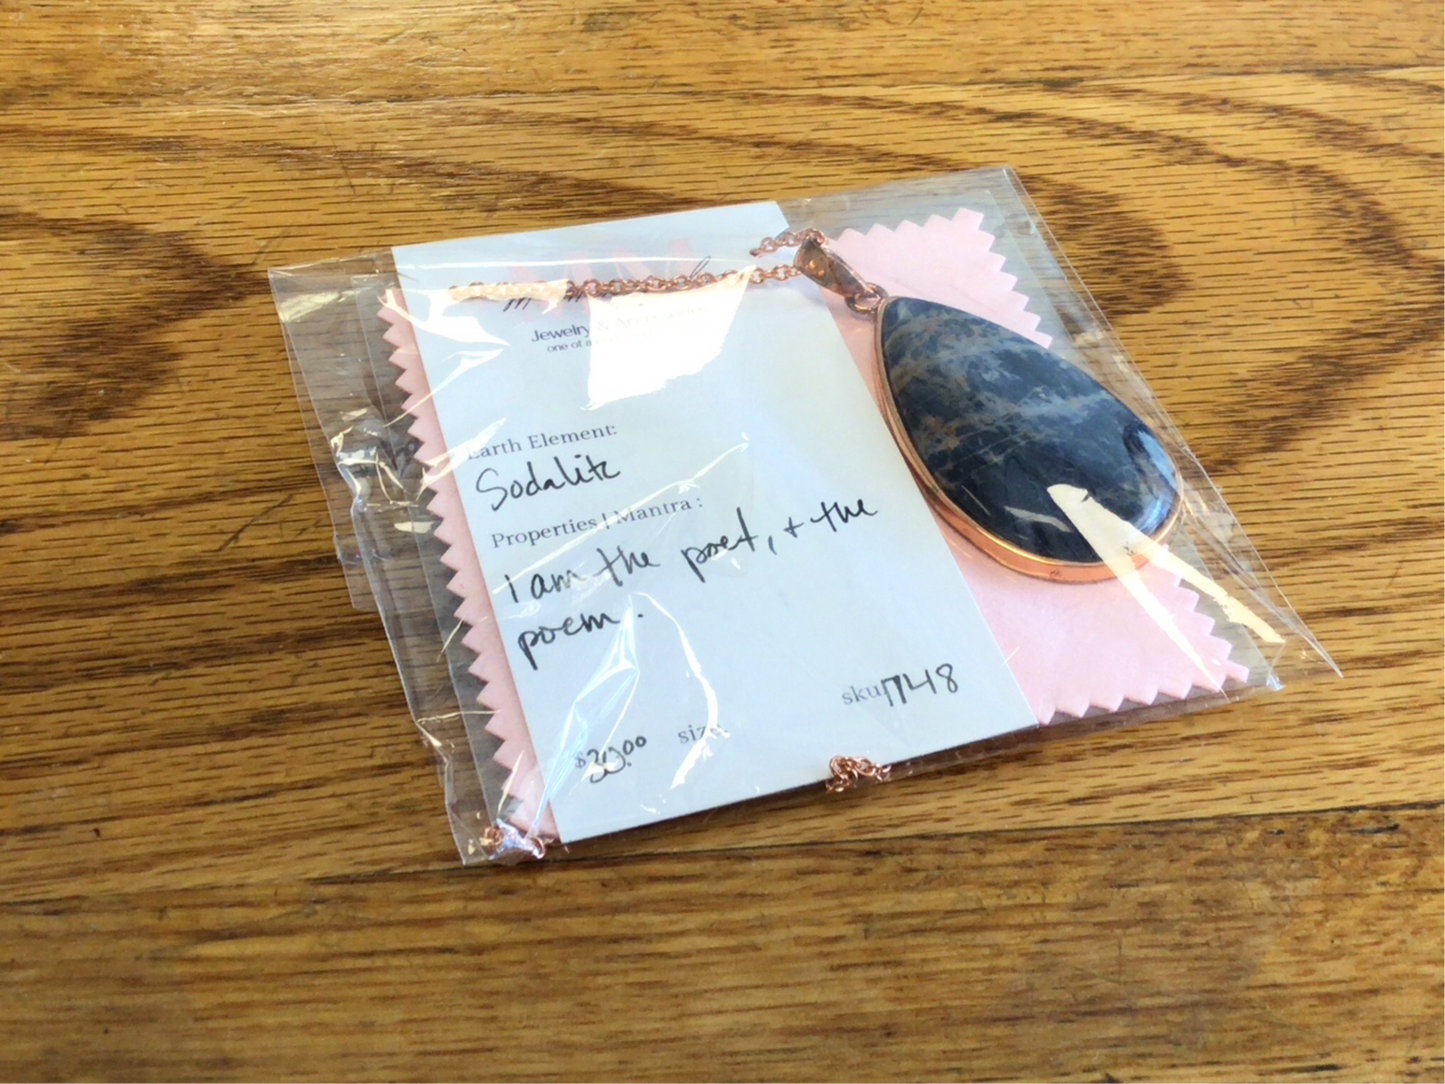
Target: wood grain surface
[{"x": 223, "y": 853}]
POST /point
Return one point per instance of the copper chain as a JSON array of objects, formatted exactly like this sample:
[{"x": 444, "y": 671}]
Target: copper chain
[
  {"x": 845, "y": 771},
  {"x": 568, "y": 290},
  {"x": 787, "y": 239}
]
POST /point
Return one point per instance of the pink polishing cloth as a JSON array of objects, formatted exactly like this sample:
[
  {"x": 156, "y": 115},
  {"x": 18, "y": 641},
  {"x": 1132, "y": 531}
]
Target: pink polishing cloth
[
  {"x": 507, "y": 723},
  {"x": 1071, "y": 647}
]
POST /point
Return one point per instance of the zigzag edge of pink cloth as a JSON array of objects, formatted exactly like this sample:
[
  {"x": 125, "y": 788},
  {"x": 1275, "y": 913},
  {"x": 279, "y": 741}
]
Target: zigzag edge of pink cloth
[{"x": 525, "y": 783}]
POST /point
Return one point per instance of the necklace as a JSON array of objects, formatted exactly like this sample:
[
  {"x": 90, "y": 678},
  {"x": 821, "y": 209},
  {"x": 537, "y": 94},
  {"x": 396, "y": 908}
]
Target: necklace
[{"x": 988, "y": 421}]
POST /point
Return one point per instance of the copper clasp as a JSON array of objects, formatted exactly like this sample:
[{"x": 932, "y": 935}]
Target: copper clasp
[{"x": 830, "y": 271}]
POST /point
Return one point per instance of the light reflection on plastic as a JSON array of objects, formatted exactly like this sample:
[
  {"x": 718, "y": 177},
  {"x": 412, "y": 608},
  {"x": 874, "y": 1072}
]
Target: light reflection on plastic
[
  {"x": 1118, "y": 542},
  {"x": 461, "y": 327},
  {"x": 551, "y": 292},
  {"x": 589, "y": 536},
  {"x": 455, "y": 457},
  {"x": 642, "y": 341},
  {"x": 701, "y": 749},
  {"x": 607, "y": 695},
  {"x": 448, "y": 319},
  {"x": 449, "y": 325}
]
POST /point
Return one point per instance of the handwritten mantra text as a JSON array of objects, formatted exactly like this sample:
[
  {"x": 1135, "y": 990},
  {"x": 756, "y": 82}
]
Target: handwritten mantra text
[{"x": 622, "y": 565}]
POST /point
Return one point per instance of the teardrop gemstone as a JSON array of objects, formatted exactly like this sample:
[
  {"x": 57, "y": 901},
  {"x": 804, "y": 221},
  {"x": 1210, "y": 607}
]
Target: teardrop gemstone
[{"x": 995, "y": 420}]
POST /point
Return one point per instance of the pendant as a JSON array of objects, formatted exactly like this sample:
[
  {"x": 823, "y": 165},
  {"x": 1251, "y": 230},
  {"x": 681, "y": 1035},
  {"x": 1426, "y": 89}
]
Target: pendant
[{"x": 989, "y": 420}]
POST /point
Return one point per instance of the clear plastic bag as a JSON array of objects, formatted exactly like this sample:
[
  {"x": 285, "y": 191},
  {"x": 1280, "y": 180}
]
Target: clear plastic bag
[{"x": 656, "y": 522}]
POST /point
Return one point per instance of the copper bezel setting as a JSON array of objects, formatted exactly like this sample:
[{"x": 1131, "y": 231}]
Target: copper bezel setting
[{"x": 1004, "y": 552}]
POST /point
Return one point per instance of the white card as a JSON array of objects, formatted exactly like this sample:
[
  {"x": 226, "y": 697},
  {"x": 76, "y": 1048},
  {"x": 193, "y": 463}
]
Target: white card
[{"x": 710, "y": 566}]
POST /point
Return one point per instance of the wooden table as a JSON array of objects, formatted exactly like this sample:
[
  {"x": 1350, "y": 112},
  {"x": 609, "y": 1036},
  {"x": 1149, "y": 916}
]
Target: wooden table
[{"x": 222, "y": 848}]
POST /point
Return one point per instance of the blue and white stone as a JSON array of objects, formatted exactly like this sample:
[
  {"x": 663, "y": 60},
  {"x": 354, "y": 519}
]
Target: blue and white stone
[{"x": 997, "y": 420}]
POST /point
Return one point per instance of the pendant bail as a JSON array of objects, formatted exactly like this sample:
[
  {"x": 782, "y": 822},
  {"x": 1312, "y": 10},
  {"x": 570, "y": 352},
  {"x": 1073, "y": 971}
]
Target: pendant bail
[{"x": 832, "y": 272}]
